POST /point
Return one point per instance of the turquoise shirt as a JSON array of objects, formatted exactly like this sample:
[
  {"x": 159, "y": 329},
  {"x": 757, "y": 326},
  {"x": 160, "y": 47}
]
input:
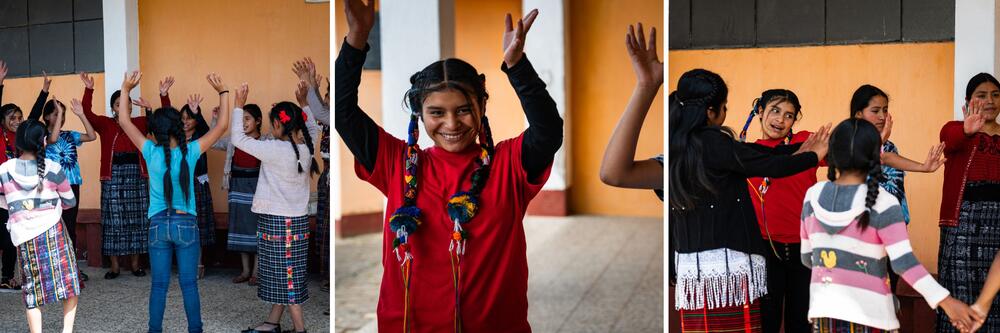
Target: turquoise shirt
[{"x": 157, "y": 166}]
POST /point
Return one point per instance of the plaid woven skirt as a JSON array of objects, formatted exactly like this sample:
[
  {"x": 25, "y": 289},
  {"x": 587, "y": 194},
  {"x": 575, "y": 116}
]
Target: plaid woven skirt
[
  {"x": 48, "y": 267},
  {"x": 740, "y": 318},
  {"x": 124, "y": 206},
  {"x": 282, "y": 253},
  {"x": 206, "y": 213},
  {"x": 323, "y": 219},
  {"x": 242, "y": 235},
  {"x": 830, "y": 325}
]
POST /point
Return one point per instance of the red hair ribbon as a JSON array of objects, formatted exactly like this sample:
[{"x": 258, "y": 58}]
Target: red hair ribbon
[{"x": 283, "y": 117}]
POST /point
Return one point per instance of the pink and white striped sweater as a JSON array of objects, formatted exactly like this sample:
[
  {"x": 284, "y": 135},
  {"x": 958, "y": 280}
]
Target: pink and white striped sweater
[
  {"x": 850, "y": 265},
  {"x": 32, "y": 212}
]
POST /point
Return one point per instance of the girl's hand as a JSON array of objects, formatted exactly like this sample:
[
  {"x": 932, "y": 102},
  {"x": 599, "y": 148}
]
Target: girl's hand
[
  {"x": 131, "y": 80},
  {"x": 241, "y": 95},
  {"x": 88, "y": 81},
  {"x": 165, "y": 85},
  {"x": 77, "y": 107},
  {"x": 935, "y": 158},
  {"x": 3, "y": 71},
  {"x": 818, "y": 142},
  {"x": 194, "y": 103},
  {"x": 962, "y": 317},
  {"x": 143, "y": 103},
  {"x": 647, "y": 66},
  {"x": 59, "y": 107},
  {"x": 300, "y": 93},
  {"x": 216, "y": 81},
  {"x": 974, "y": 120},
  {"x": 301, "y": 70},
  {"x": 980, "y": 311},
  {"x": 46, "y": 81},
  {"x": 513, "y": 37},
  {"x": 887, "y": 128},
  {"x": 360, "y": 20}
]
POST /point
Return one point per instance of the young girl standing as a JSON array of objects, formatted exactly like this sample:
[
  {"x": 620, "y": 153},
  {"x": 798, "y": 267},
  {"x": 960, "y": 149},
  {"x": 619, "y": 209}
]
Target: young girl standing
[
  {"x": 173, "y": 227},
  {"x": 454, "y": 217},
  {"x": 282, "y": 206},
  {"x": 10, "y": 118},
  {"x": 850, "y": 228},
  {"x": 195, "y": 126}
]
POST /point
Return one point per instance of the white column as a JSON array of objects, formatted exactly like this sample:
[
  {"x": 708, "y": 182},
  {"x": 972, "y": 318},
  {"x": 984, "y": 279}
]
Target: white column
[
  {"x": 545, "y": 46},
  {"x": 121, "y": 44},
  {"x": 976, "y": 46},
  {"x": 415, "y": 33}
]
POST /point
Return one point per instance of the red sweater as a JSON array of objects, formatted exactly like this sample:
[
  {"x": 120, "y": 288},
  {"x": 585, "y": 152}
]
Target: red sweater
[
  {"x": 113, "y": 138},
  {"x": 494, "y": 269},
  {"x": 783, "y": 200},
  {"x": 970, "y": 157}
]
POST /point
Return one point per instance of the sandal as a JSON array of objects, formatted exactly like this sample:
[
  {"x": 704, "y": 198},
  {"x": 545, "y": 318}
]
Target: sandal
[
  {"x": 139, "y": 272},
  {"x": 253, "y": 329},
  {"x": 253, "y": 281},
  {"x": 111, "y": 275},
  {"x": 241, "y": 279}
]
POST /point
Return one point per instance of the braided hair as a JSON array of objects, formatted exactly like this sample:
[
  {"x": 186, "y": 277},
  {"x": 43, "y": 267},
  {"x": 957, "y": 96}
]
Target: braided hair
[
  {"x": 165, "y": 124},
  {"x": 293, "y": 120},
  {"x": 31, "y": 138},
  {"x": 776, "y": 96},
  {"x": 698, "y": 91},
  {"x": 855, "y": 146}
]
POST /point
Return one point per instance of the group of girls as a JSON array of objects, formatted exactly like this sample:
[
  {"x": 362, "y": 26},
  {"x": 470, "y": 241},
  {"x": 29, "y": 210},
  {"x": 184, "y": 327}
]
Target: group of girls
[
  {"x": 40, "y": 177},
  {"x": 761, "y": 245}
]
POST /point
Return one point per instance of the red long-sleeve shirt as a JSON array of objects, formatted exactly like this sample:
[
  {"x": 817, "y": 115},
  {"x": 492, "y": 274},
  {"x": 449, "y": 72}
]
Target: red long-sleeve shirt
[{"x": 113, "y": 138}]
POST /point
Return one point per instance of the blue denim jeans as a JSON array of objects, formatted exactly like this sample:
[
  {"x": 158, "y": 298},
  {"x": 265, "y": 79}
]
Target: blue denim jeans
[{"x": 171, "y": 233}]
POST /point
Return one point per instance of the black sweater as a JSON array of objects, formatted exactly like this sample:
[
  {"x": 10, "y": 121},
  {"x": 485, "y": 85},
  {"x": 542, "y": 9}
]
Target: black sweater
[
  {"x": 727, "y": 219},
  {"x": 360, "y": 133}
]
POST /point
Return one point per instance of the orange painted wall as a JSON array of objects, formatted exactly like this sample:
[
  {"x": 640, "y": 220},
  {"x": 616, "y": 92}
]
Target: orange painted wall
[
  {"x": 67, "y": 87},
  {"x": 600, "y": 82},
  {"x": 253, "y": 41},
  {"x": 917, "y": 77}
]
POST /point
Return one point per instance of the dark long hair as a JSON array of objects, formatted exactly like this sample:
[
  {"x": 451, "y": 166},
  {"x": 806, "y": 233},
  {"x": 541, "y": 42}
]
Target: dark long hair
[
  {"x": 164, "y": 124},
  {"x": 30, "y": 137},
  {"x": 49, "y": 108},
  {"x": 697, "y": 91},
  {"x": 254, "y": 112},
  {"x": 855, "y": 145},
  {"x": 863, "y": 96},
  {"x": 292, "y": 119},
  {"x": 976, "y": 80}
]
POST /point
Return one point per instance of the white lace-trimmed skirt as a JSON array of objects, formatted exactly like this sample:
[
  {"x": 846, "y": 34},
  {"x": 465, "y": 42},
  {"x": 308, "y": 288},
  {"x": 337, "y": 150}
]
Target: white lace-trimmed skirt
[{"x": 718, "y": 278}]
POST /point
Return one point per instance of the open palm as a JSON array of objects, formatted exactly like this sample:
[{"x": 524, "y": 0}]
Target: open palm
[
  {"x": 513, "y": 37},
  {"x": 360, "y": 20},
  {"x": 647, "y": 65}
]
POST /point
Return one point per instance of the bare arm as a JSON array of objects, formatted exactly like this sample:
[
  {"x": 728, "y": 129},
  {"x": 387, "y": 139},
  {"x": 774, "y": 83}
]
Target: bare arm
[
  {"x": 54, "y": 133},
  {"x": 934, "y": 160},
  {"x": 90, "y": 134},
  {"x": 225, "y": 109},
  {"x": 124, "y": 106},
  {"x": 619, "y": 167}
]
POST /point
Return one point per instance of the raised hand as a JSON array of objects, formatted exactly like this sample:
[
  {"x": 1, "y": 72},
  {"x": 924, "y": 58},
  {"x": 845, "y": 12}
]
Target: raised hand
[
  {"x": 143, "y": 103},
  {"x": 887, "y": 128},
  {"x": 216, "y": 81},
  {"x": 935, "y": 158},
  {"x": 46, "y": 81},
  {"x": 131, "y": 80},
  {"x": 241, "y": 95},
  {"x": 647, "y": 66},
  {"x": 301, "y": 69},
  {"x": 818, "y": 142},
  {"x": 77, "y": 107},
  {"x": 360, "y": 20},
  {"x": 300, "y": 93},
  {"x": 974, "y": 120},
  {"x": 194, "y": 102},
  {"x": 513, "y": 37},
  {"x": 88, "y": 81},
  {"x": 3, "y": 71},
  {"x": 165, "y": 85}
]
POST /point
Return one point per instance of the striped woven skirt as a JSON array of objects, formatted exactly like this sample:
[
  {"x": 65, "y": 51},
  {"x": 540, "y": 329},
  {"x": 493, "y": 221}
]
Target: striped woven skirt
[
  {"x": 48, "y": 267},
  {"x": 282, "y": 253},
  {"x": 242, "y": 221},
  {"x": 206, "y": 213},
  {"x": 124, "y": 205},
  {"x": 740, "y": 318},
  {"x": 830, "y": 325},
  {"x": 323, "y": 219},
  {"x": 967, "y": 251}
]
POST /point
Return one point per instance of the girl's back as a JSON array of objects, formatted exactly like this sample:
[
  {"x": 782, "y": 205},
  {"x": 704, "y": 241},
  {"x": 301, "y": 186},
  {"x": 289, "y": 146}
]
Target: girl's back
[{"x": 32, "y": 212}]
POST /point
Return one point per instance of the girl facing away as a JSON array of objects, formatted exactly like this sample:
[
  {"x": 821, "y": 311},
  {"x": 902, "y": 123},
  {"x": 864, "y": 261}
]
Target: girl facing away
[{"x": 851, "y": 228}]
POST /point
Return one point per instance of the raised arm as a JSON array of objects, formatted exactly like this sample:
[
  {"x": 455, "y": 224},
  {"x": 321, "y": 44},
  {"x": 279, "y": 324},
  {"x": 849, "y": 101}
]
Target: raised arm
[
  {"x": 619, "y": 167},
  {"x": 543, "y": 137},
  {"x": 358, "y": 131},
  {"x": 256, "y": 148},
  {"x": 54, "y": 132},
  {"x": 206, "y": 141},
  {"x": 3, "y": 75},
  {"x": 165, "y": 85},
  {"x": 305, "y": 69},
  {"x": 935, "y": 159},
  {"x": 201, "y": 126},
  {"x": 223, "y": 142},
  {"x": 124, "y": 105},
  {"x": 90, "y": 134},
  {"x": 36, "y": 109}
]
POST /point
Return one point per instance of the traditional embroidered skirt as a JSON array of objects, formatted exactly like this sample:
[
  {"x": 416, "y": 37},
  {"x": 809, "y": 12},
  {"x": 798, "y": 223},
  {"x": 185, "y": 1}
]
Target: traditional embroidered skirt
[
  {"x": 206, "y": 213},
  {"x": 282, "y": 253},
  {"x": 242, "y": 222},
  {"x": 830, "y": 325},
  {"x": 124, "y": 205},
  {"x": 741, "y": 318},
  {"x": 48, "y": 267},
  {"x": 323, "y": 219},
  {"x": 967, "y": 251}
]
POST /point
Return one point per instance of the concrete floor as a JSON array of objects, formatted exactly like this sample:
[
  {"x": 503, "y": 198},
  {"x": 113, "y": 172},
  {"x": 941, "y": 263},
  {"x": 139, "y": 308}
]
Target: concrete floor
[
  {"x": 586, "y": 274},
  {"x": 121, "y": 305}
]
